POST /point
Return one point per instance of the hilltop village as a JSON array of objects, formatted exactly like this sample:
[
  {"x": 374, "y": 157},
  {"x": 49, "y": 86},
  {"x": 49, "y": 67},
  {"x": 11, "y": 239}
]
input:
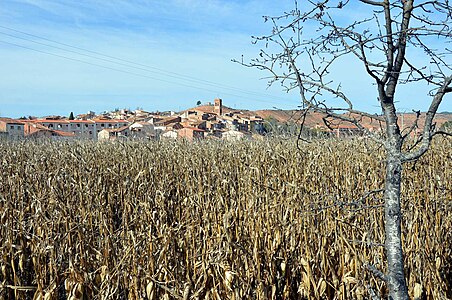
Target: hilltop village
[{"x": 206, "y": 121}]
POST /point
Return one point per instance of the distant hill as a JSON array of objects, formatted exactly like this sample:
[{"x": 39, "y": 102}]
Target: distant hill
[{"x": 315, "y": 119}]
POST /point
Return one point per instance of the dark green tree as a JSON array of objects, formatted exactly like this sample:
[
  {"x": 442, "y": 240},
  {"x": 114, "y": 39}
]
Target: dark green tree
[{"x": 71, "y": 116}]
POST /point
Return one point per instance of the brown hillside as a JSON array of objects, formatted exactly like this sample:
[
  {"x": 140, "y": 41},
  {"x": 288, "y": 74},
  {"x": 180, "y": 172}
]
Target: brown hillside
[{"x": 315, "y": 119}]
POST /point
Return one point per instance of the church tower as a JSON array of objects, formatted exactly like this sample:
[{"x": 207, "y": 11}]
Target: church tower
[{"x": 218, "y": 106}]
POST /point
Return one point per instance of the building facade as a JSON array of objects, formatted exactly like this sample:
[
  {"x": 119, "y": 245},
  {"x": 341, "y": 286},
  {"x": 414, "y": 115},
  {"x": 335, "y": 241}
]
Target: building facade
[{"x": 12, "y": 129}]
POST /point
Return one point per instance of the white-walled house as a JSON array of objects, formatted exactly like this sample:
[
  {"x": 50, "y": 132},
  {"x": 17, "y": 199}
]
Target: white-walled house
[
  {"x": 170, "y": 134},
  {"x": 114, "y": 133},
  {"x": 144, "y": 130}
]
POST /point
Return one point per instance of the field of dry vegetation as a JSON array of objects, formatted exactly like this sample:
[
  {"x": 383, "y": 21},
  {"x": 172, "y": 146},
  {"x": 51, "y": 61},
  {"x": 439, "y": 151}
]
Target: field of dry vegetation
[{"x": 211, "y": 220}]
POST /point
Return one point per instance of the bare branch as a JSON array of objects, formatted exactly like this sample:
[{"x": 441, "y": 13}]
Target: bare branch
[
  {"x": 427, "y": 131},
  {"x": 375, "y": 3},
  {"x": 366, "y": 63},
  {"x": 305, "y": 112},
  {"x": 413, "y": 126},
  {"x": 441, "y": 132}
]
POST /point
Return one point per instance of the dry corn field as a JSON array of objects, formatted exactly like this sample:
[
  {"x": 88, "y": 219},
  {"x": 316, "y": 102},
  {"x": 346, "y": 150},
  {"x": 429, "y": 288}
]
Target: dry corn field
[{"x": 213, "y": 220}]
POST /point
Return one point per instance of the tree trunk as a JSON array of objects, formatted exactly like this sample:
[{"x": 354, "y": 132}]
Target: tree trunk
[{"x": 393, "y": 244}]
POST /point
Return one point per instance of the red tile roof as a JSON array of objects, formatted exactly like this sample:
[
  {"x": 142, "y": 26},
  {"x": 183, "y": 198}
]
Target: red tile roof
[
  {"x": 50, "y": 121},
  {"x": 11, "y": 121},
  {"x": 109, "y": 121},
  {"x": 91, "y": 121},
  {"x": 121, "y": 128},
  {"x": 82, "y": 121}
]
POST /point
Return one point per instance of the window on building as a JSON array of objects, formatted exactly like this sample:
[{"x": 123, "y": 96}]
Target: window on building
[
  {"x": 78, "y": 125},
  {"x": 86, "y": 125},
  {"x": 11, "y": 127},
  {"x": 102, "y": 125}
]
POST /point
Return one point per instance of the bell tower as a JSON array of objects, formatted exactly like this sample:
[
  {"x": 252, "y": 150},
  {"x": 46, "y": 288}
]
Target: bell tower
[{"x": 218, "y": 106}]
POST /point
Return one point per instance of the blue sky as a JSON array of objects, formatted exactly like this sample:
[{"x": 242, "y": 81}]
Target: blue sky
[{"x": 181, "y": 50}]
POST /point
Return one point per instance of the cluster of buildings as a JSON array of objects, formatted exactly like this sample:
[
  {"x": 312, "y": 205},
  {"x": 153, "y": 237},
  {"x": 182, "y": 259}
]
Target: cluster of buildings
[
  {"x": 204, "y": 121},
  {"x": 207, "y": 121}
]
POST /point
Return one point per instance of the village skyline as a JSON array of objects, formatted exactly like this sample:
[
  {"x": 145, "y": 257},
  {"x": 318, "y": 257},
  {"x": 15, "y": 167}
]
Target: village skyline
[
  {"x": 190, "y": 105},
  {"x": 205, "y": 120},
  {"x": 87, "y": 110}
]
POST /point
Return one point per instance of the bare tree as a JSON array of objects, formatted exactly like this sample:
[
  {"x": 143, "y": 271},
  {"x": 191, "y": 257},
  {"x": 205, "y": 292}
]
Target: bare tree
[{"x": 398, "y": 43}]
